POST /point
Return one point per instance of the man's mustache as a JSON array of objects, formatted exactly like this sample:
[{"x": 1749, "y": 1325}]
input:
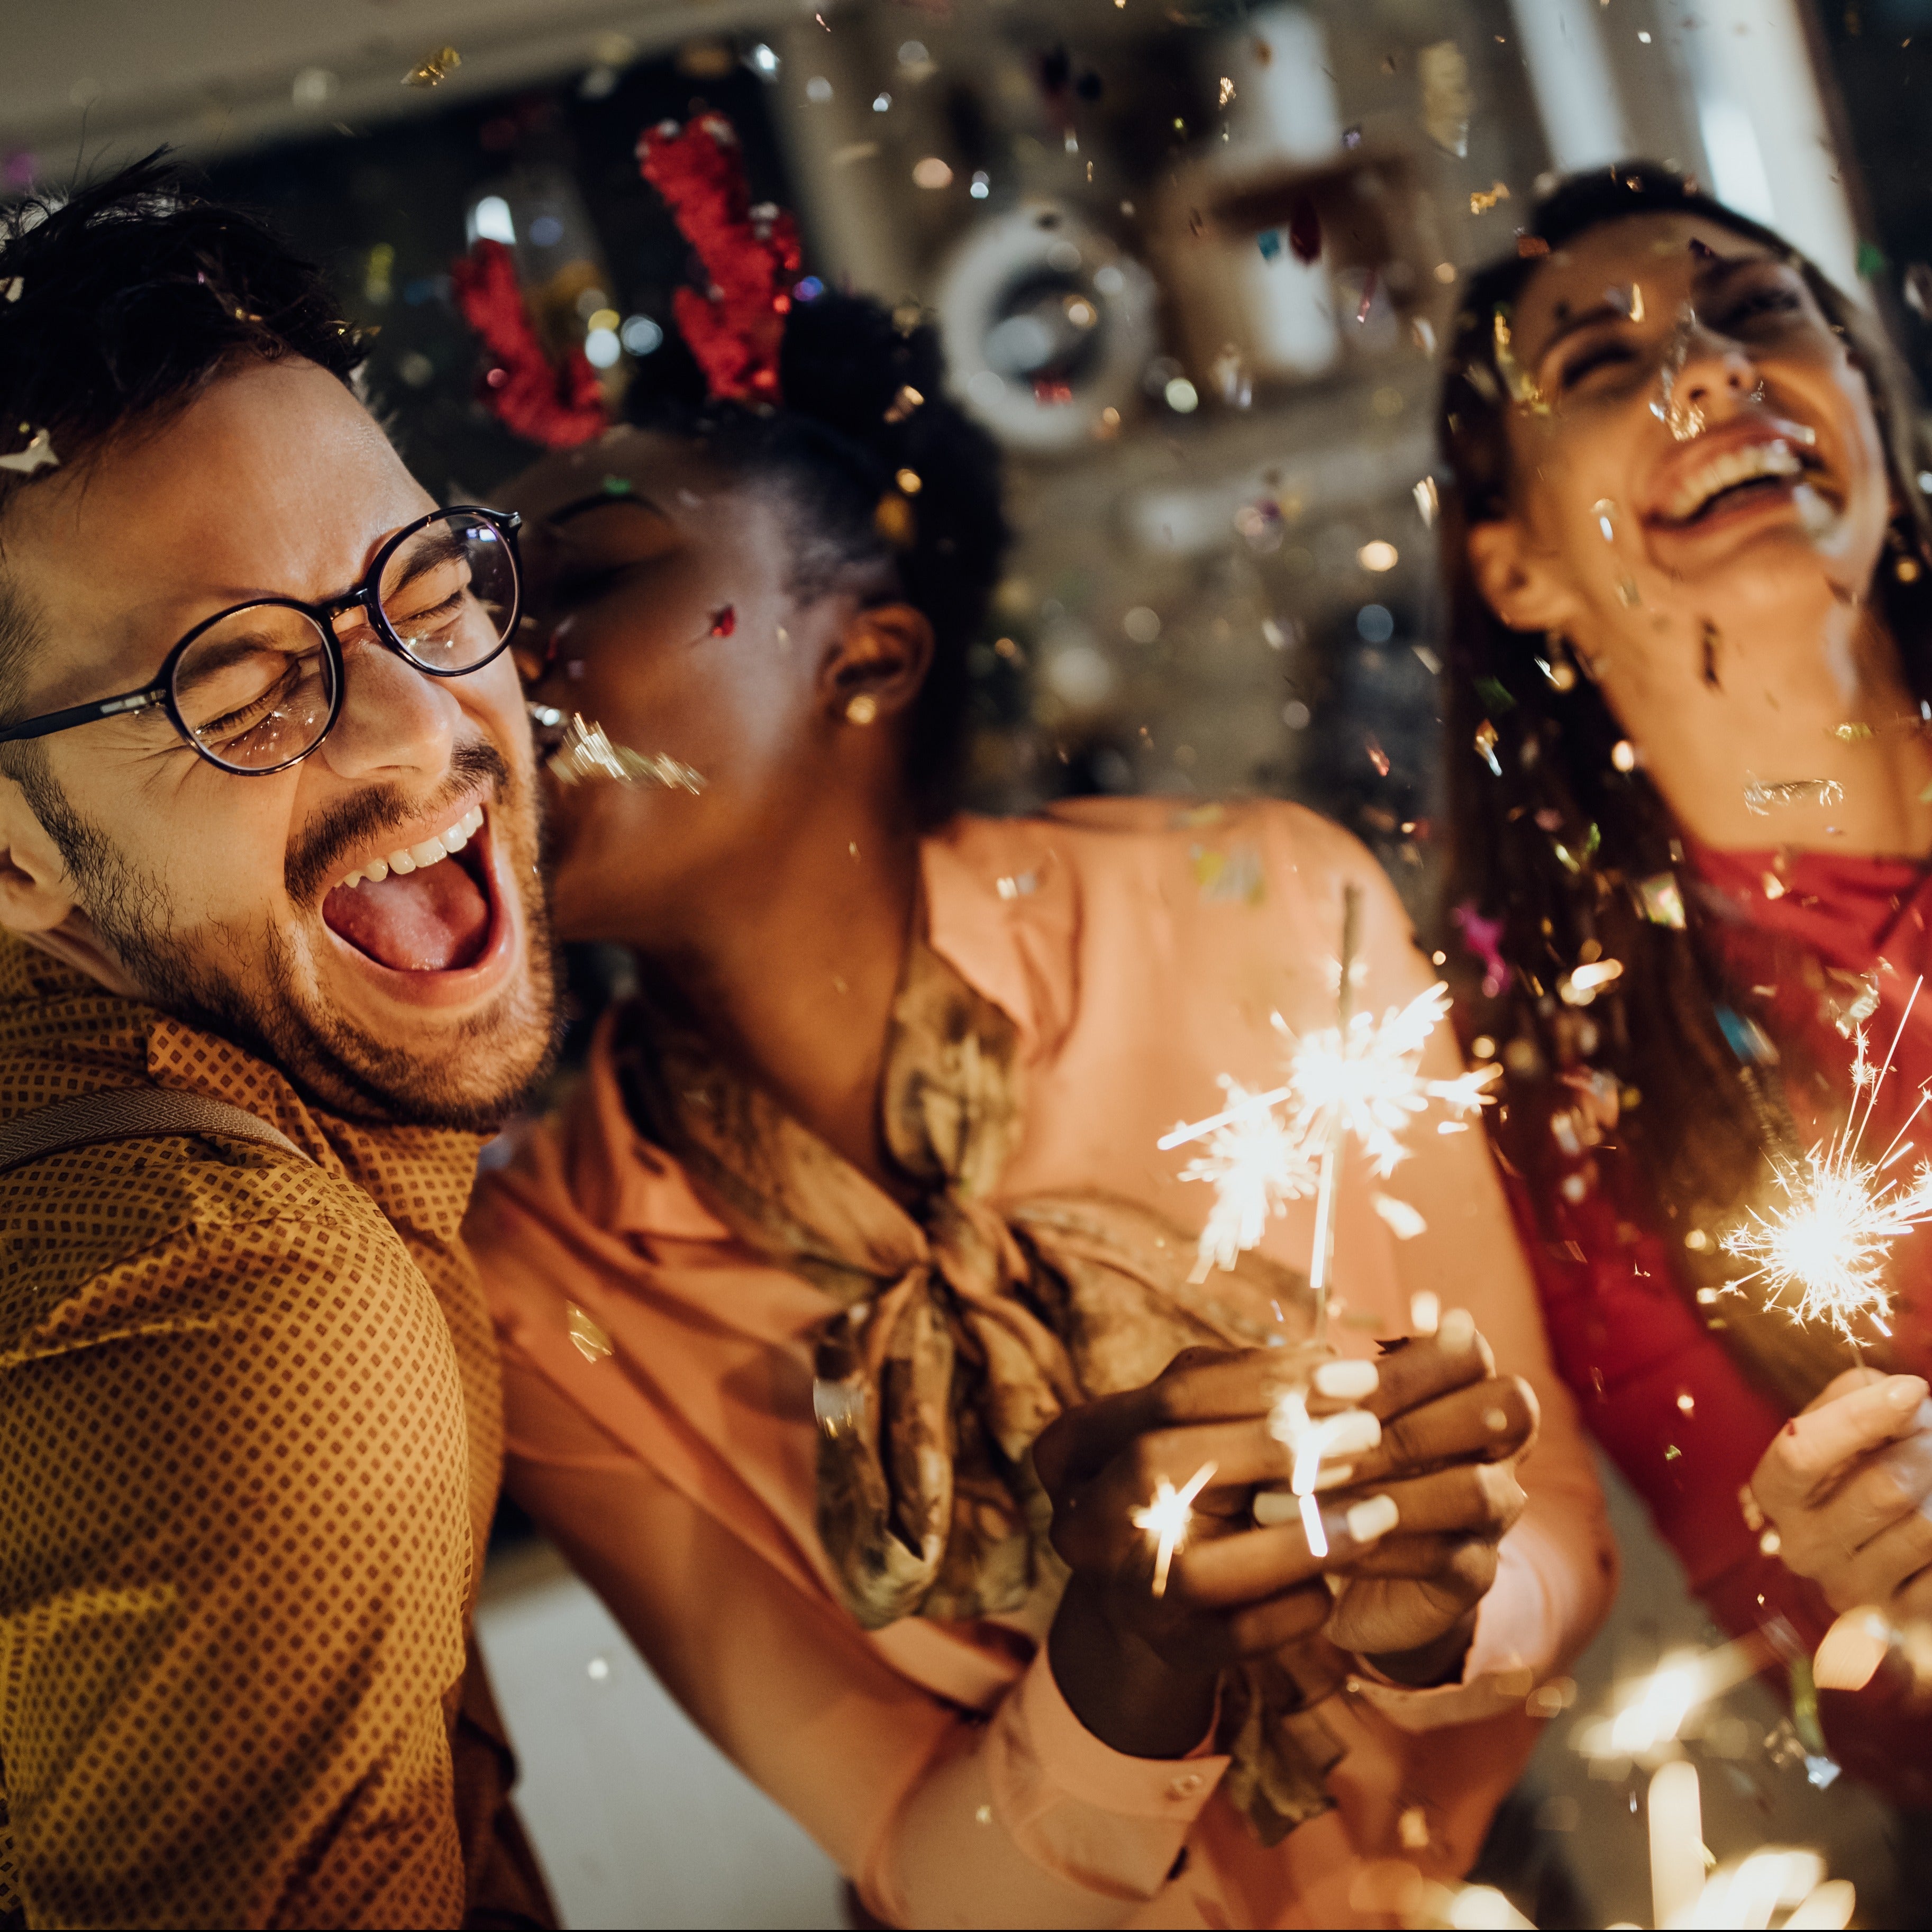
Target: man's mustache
[{"x": 346, "y": 829}]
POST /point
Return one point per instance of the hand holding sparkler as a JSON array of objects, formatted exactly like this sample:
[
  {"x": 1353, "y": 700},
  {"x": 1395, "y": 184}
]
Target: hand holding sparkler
[
  {"x": 1842, "y": 1491},
  {"x": 1443, "y": 1434},
  {"x": 1152, "y": 1492}
]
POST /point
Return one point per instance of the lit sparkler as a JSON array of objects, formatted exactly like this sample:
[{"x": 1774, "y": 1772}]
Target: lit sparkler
[
  {"x": 1360, "y": 1079},
  {"x": 1167, "y": 1518},
  {"x": 1826, "y": 1249},
  {"x": 1307, "y": 1438}
]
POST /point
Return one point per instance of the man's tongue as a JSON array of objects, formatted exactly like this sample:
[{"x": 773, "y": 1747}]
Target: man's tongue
[{"x": 433, "y": 920}]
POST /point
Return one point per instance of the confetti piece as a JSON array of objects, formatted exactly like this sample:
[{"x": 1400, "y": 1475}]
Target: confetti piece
[
  {"x": 1481, "y": 200},
  {"x": 1486, "y": 746},
  {"x": 1377, "y": 756},
  {"x": 587, "y": 752},
  {"x": 1446, "y": 102},
  {"x": 1662, "y": 900},
  {"x": 38, "y": 454},
  {"x": 1759, "y": 797},
  {"x": 14, "y": 287},
  {"x": 723, "y": 621},
  {"x": 1427, "y": 501},
  {"x": 589, "y": 1339},
  {"x": 434, "y": 69},
  {"x": 903, "y": 404}
]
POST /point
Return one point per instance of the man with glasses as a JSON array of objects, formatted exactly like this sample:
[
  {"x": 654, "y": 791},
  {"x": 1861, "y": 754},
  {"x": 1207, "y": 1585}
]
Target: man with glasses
[{"x": 274, "y": 960}]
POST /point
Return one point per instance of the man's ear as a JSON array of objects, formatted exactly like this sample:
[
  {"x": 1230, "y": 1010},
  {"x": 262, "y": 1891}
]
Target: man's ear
[
  {"x": 1520, "y": 584},
  {"x": 37, "y": 898},
  {"x": 36, "y": 893},
  {"x": 877, "y": 663}
]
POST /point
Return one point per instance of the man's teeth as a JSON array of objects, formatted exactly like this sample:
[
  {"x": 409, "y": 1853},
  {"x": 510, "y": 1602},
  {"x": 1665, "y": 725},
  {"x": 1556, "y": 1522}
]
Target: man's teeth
[
  {"x": 413, "y": 858},
  {"x": 1725, "y": 472}
]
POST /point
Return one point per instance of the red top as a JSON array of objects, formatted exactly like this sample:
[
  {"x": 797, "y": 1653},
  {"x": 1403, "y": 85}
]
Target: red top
[{"x": 1670, "y": 1406}]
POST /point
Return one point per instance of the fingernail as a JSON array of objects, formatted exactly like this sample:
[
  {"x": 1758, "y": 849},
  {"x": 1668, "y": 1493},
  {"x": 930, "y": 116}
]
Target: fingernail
[
  {"x": 1347, "y": 1382},
  {"x": 1457, "y": 1332},
  {"x": 1333, "y": 1476},
  {"x": 1274, "y": 1506},
  {"x": 1376, "y": 1517},
  {"x": 1904, "y": 1392},
  {"x": 1350, "y": 1433}
]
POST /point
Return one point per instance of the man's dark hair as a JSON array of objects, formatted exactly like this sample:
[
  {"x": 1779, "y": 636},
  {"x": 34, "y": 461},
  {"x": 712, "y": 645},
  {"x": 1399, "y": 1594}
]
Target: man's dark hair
[
  {"x": 1558, "y": 839},
  {"x": 119, "y": 305},
  {"x": 849, "y": 429}
]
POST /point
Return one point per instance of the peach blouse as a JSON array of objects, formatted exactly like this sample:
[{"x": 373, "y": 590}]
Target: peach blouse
[{"x": 658, "y": 1381}]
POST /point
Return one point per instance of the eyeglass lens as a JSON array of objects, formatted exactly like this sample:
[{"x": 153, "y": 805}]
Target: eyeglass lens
[
  {"x": 448, "y": 593},
  {"x": 257, "y": 689}
]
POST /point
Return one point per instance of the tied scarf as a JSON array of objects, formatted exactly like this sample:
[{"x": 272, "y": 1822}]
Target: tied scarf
[{"x": 958, "y": 1330}]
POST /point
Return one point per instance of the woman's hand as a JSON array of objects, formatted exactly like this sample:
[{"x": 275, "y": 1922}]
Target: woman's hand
[
  {"x": 1139, "y": 1669},
  {"x": 1453, "y": 1432},
  {"x": 1845, "y": 1486}
]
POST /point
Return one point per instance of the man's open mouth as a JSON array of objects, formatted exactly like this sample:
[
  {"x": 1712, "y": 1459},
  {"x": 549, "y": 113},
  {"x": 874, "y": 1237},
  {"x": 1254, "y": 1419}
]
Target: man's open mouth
[{"x": 425, "y": 907}]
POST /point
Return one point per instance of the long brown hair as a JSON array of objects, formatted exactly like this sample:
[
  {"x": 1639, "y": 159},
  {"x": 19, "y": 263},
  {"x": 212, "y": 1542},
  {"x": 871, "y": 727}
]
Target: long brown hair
[{"x": 1580, "y": 859}]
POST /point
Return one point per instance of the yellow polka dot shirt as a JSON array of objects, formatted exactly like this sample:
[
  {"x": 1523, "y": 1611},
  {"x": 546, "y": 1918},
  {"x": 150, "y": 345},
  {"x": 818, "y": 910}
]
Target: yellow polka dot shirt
[{"x": 250, "y": 1437}]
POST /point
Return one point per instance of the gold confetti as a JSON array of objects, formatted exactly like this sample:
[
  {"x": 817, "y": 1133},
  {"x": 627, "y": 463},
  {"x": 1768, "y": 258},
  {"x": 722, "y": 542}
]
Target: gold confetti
[
  {"x": 434, "y": 69},
  {"x": 1446, "y": 102},
  {"x": 1521, "y": 387},
  {"x": 1759, "y": 797},
  {"x": 1481, "y": 200},
  {"x": 589, "y": 1339},
  {"x": 585, "y": 752}
]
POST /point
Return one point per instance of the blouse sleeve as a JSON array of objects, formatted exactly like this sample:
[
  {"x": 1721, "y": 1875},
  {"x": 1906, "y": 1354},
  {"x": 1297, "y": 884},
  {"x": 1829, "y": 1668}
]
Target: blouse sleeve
[{"x": 940, "y": 1815}]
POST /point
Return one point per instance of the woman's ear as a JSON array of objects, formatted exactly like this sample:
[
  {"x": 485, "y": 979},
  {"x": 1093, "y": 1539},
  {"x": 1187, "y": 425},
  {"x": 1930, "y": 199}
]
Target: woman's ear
[
  {"x": 877, "y": 663},
  {"x": 1523, "y": 586}
]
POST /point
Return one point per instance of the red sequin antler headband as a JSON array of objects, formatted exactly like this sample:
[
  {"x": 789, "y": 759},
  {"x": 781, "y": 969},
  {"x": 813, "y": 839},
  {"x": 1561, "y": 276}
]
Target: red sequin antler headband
[
  {"x": 558, "y": 407},
  {"x": 749, "y": 254}
]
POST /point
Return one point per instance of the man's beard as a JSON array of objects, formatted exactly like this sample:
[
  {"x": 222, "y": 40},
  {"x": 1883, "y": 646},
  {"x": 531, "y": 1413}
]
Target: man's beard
[{"x": 490, "y": 1065}]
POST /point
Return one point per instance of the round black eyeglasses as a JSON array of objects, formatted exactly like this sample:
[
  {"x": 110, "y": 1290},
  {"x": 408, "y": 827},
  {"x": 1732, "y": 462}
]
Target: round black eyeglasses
[{"x": 256, "y": 688}]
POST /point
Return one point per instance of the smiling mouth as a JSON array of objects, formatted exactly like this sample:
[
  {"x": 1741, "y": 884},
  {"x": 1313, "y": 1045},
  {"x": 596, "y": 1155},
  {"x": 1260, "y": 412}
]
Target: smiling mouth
[
  {"x": 425, "y": 907},
  {"x": 1733, "y": 477}
]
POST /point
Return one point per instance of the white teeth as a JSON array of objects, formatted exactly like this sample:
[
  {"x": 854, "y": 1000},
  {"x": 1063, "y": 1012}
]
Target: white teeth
[
  {"x": 1733, "y": 467},
  {"x": 413, "y": 858}
]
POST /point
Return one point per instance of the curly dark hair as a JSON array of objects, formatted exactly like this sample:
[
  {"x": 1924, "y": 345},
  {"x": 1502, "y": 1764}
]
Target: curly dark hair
[
  {"x": 845, "y": 435},
  {"x": 119, "y": 303},
  {"x": 1559, "y": 843}
]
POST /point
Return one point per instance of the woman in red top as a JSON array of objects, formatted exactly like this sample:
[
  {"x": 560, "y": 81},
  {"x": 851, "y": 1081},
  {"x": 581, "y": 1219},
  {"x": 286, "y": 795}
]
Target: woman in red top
[{"x": 1693, "y": 795}]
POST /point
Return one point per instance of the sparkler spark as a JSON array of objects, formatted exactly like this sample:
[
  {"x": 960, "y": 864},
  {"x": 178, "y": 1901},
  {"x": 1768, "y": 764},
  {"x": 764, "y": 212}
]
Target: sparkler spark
[
  {"x": 1166, "y": 1520},
  {"x": 1257, "y": 1164},
  {"x": 1823, "y": 1255},
  {"x": 1308, "y": 1438},
  {"x": 1361, "y": 1080}
]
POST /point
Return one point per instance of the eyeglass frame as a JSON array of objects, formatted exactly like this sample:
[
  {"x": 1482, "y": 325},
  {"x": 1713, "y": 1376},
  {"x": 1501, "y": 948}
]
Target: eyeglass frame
[{"x": 366, "y": 597}]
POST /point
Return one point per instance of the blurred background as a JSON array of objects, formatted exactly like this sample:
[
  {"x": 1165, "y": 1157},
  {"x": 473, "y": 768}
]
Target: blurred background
[{"x": 1192, "y": 259}]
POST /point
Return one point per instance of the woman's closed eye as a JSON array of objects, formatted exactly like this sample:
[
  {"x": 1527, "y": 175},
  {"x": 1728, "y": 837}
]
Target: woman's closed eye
[
  {"x": 1756, "y": 308},
  {"x": 1612, "y": 349}
]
